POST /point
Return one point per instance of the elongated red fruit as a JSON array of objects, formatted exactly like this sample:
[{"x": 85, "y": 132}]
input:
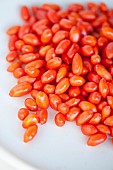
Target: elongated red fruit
[
  {"x": 96, "y": 139},
  {"x": 77, "y": 64},
  {"x": 20, "y": 90}
]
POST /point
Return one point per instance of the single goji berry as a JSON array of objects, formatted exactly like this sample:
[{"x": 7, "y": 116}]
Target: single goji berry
[
  {"x": 62, "y": 72},
  {"x": 30, "y": 104},
  {"x": 30, "y": 133},
  {"x": 54, "y": 63},
  {"x": 96, "y": 139},
  {"x": 106, "y": 112},
  {"x": 54, "y": 101},
  {"x": 96, "y": 118},
  {"x": 13, "y": 30},
  {"x": 20, "y": 89},
  {"x": 18, "y": 72},
  {"x": 74, "y": 91},
  {"x": 11, "y": 56},
  {"x": 22, "y": 113},
  {"x": 74, "y": 34},
  {"x": 49, "y": 89},
  {"x": 62, "y": 86},
  {"x": 107, "y": 32},
  {"x": 25, "y": 13},
  {"x": 73, "y": 102},
  {"x": 48, "y": 76},
  {"x": 59, "y": 36},
  {"x": 31, "y": 39},
  {"x": 103, "y": 128},
  {"x": 27, "y": 79},
  {"x": 27, "y": 58},
  {"x": 30, "y": 120},
  {"x": 90, "y": 87},
  {"x": 101, "y": 71},
  {"x": 27, "y": 49},
  {"x": 38, "y": 85},
  {"x": 42, "y": 116},
  {"x": 64, "y": 97},
  {"x": 42, "y": 100},
  {"x": 72, "y": 114},
  {"x": 88, "y": 129},
  {"x": 94, "y": 98},
  {"x": 84, "y": 117},
  {"x": 85, "y": 105},
  {"x": 62, "y": 47},
  {"x": 46, "y": 36},
  {"x": 34, "y": 93},
  {"x": 77, "y": 80},
  {"x": 77, "y": 64},
  {"x": 63, "y": 108},
  {"x": 60, "y": 119}
]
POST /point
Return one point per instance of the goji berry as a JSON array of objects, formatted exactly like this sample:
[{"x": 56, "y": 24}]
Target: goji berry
[
  {"x": 30, "y": 120},
  {"x": 84, "y": 117},
  {"x": 77, "y": 64},
  {"x": 77, "y": 80},
  {"x": 96, "y": 139},
  {"x": 46, "y": 36},
  {"x": 64, "y": 97},
  {"x": 18, "y": 72},
  {"x": 31, "y": 39},
  {"x": 88, "y": 129},
  {"x": 85, "y": 105},
  {"x": 62, "y": 86},
  {"x": 73, "y": 102},
  {"x": 62, "y": 47},
  {"x": 27, "y": 49},
  {"x": 42, "y": 116},
  {"x": 49, "y": 89},
  {"x": 74, "y": 91},
  {"x": 60, "y": 119},
  {"x": 94, "y": 97},
  {"x": 30, "y": 133},
  {"x": 72, "y": 114},
  {"x": 42, "y": 100},
  {"x": 74, "y": 34},
  {"x": 11, "y": 56},
  {"x": 48, "y": 76},
  {"x": 54, "y": 63},
  {"x": 103, "y": 128},
  {"x": 96, "y": 118},
  {"x": 20, "y": 89},
  {"x": 13, "y": 30},
  {"x": 105, "y": 112},
  {"x": 25, "y": 13},
  {"x": 31, "y": 104},
  {"x": 27, "y": 58},
  {"x": 22, "y": 113},
  {"x": 101, "y": 71},
  {"x": 54, "y": 101},
  {"x": 27, "y": 79},
  {"x": 59, "y": 36},
  {"x": 62, "y": 72},
  {"x": 90, "y": 87}
]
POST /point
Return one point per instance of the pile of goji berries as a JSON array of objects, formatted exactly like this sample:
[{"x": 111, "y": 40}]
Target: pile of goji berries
[{"x": 63, "y": 58}]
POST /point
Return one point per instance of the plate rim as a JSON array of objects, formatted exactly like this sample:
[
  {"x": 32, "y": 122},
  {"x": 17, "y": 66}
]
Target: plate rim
[{"x": 14, "y": 161}]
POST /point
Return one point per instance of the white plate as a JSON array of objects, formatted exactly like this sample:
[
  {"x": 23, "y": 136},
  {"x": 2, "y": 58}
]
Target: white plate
[{"x": 54, "y": 148}]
